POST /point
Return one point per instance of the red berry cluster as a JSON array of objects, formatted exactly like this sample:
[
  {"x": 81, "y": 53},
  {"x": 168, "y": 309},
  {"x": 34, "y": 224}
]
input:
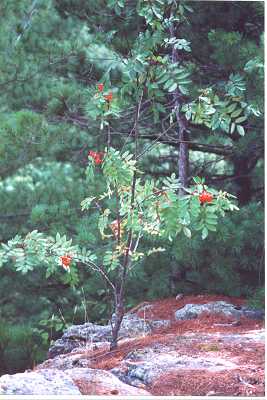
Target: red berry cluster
[
  {"x": 205, "y": 197},
  {"x": 65, "y": 261},
  {"x": 108, "y": 97},
  {"x": 96, "y": 156}
]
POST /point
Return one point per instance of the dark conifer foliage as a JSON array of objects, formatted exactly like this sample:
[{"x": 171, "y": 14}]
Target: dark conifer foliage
[{"x": 54, "y": 53}]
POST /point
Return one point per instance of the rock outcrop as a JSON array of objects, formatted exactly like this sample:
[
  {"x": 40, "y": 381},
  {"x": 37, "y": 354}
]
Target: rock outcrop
[
  {"x": 80, "y": 336},
  {"x": 191, "y": 311},
  {"x": 146, "y": 365},
  {"x": 75, "y": 381},
  {"x": 155, "y": 356},
  {"x": 87, "y": 334}
]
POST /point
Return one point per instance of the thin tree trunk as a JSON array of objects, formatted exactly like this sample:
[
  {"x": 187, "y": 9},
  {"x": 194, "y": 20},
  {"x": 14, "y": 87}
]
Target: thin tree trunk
[
  {"x": 117, "y": 319},
  {"x": 119, "y": 293},
  {"x": 183, "y": 159},
  {"x": 120, "y": 288}
]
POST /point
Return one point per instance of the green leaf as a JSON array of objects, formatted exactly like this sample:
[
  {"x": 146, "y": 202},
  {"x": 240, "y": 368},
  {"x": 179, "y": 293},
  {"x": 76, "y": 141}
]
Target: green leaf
[
  {"x": 163, "y": 78},
  {"x": 188, "y": 8},
  {"x": 187, "y": 232},
  {"x": 236, "y": 113},
  {"x": 173, "y": 87},
  {"x": 182, "y": 74},
  {"x": 85, "y": 204},
  {"x": 225, "y": 126},
  {"x": 183, "y": 89},
  {"x": 198, "y": 180},
  {"x": 215, "y": 122},
  {"x": 211, "y": 218},
  {"x": 48, "y": 273},
  {"x": 205, "y": 233},
  {"x": 211, "y": 227},
  {"x": 240, "y": 130},
  {"x": 168, "y": 84},
  {"x": 232, "y": 127},
  {"x": 231, "y": 108},
  {"x": 157, "y": 12},
  {"x": 184, "y": 82},
  {"x": 181, "y": 9},
  {"x": 241, "y": 119}
]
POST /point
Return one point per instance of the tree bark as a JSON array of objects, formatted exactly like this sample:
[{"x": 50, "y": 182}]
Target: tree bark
[
  {"x": 120, "y": 287},
  {"x": 242, "y": 174},
  {"x": 117, "y": 319},
  {"x": 182, "y": 134}
]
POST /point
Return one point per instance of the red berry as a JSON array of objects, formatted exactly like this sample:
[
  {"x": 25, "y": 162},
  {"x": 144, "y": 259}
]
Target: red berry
[
  {"x": 100, "y": 87},
  {"x": 209, "y": 198},
  {"x": 91, "y": 154},
  {"x": 98, "y": 160},
  {"x": 108, "y": 97}
]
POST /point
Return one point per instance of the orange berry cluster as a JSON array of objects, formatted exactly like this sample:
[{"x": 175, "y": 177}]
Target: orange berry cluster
[
  {"x": 65, "y": 261},
  {"x": 205, "y": 197},
  {"x": 97, "y": 156},
  {"x": 108, "y": 97}
]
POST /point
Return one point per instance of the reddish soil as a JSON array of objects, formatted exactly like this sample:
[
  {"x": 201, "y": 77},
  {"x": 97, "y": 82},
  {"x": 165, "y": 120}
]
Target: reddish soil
[
  {"x": 201, "y": 383},
  {"x": 247, "y": 380}
]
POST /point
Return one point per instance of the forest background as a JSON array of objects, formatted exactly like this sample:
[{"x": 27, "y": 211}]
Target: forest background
[{"x": 54, "y": 55}]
